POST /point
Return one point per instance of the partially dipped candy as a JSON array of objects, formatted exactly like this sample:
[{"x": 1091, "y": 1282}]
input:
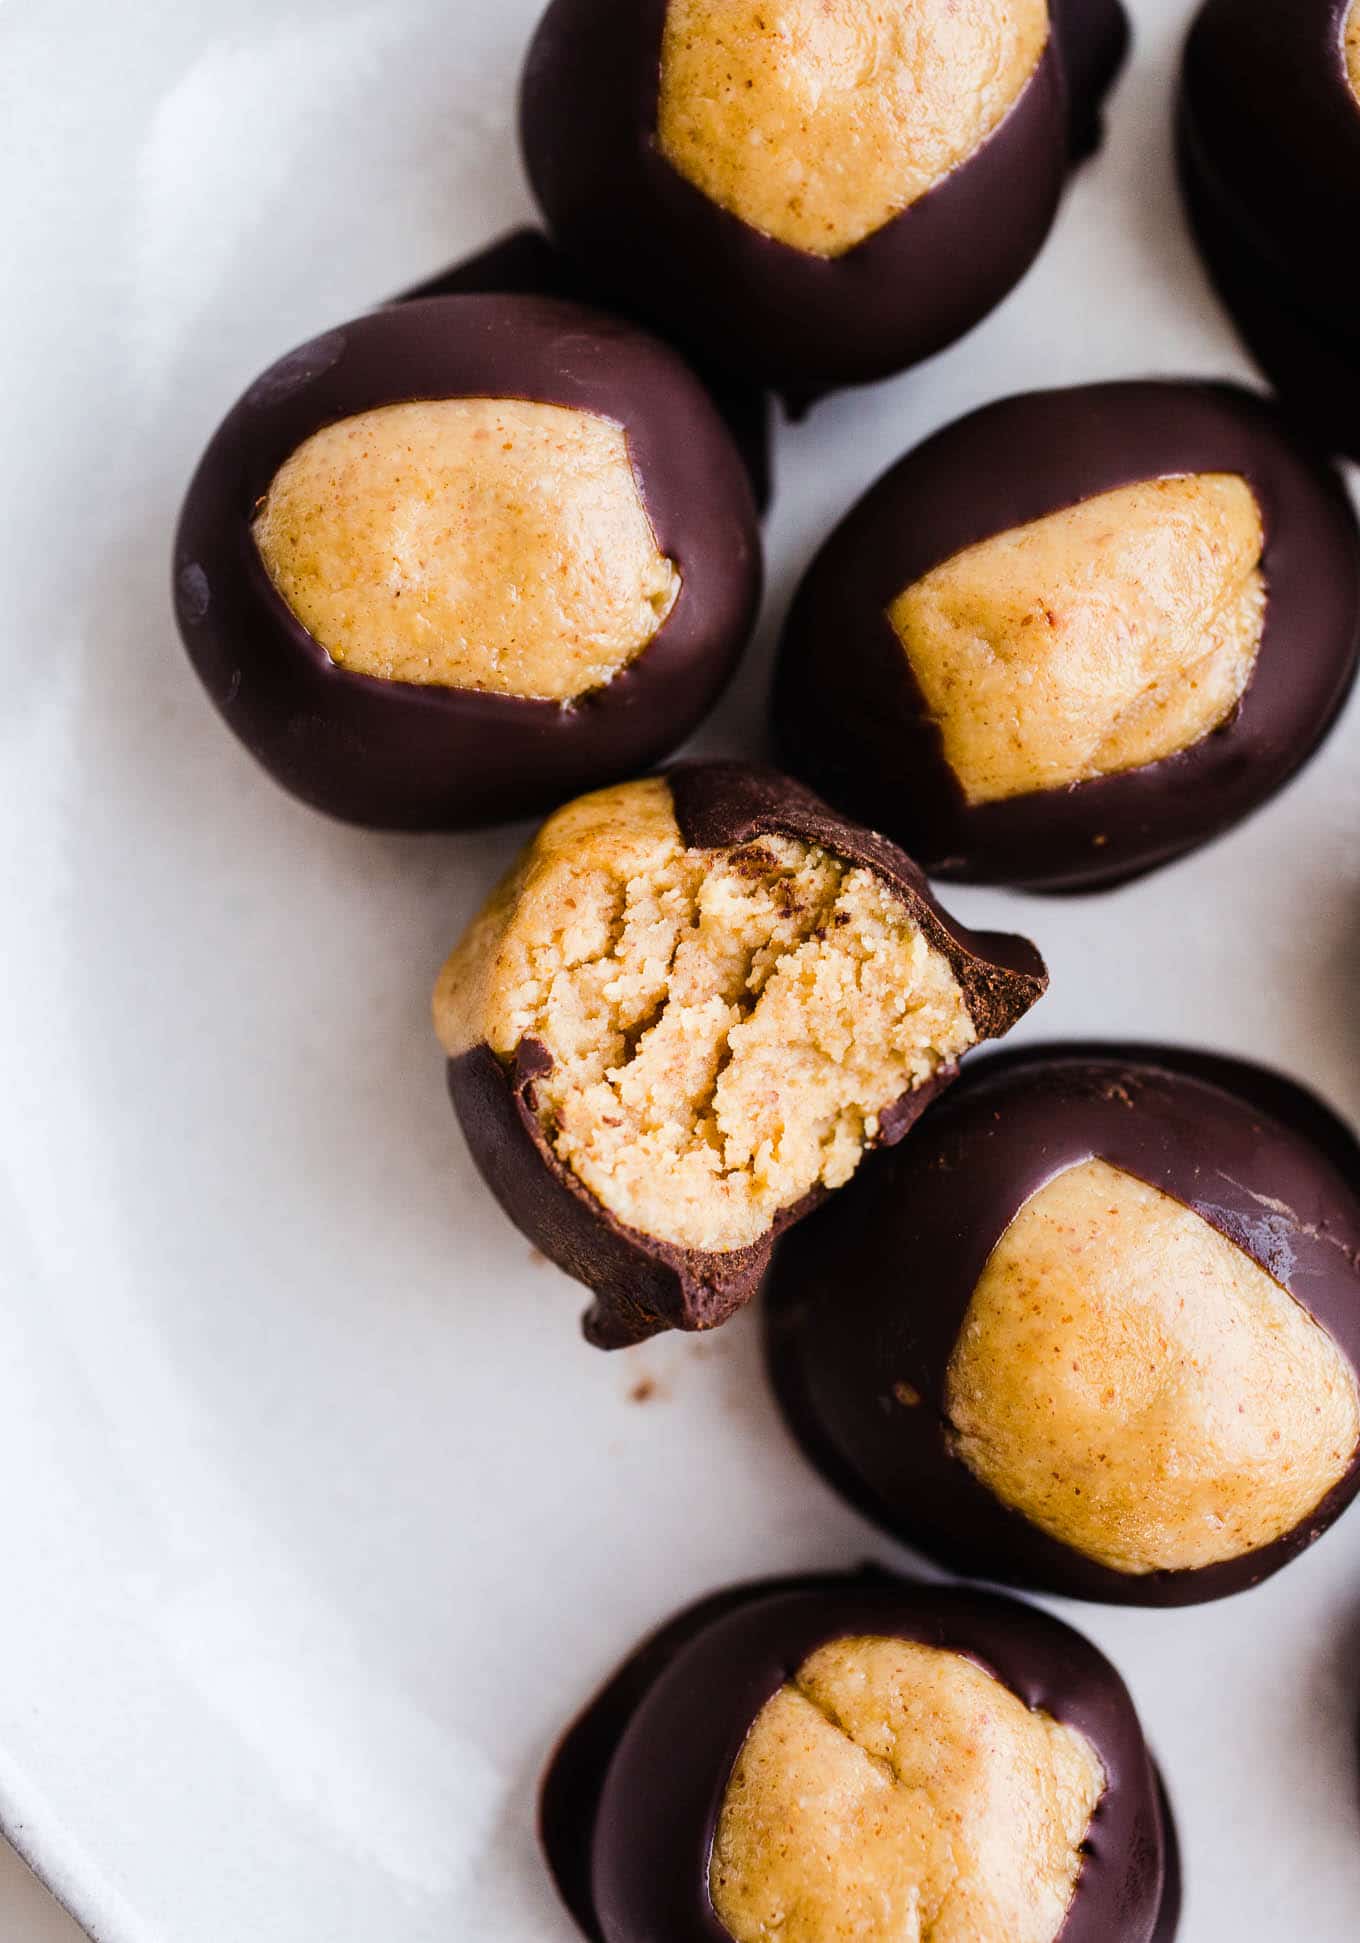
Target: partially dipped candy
[
  {"x": 685, "y": 1016},
  {"x": 1095, "y": 1331}
]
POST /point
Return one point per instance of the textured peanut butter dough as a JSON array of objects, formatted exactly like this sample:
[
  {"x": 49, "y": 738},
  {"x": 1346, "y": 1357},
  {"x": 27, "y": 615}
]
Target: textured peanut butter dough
[
  {"x": 1113, "y": 634},
  {"x": 469, "y": 543},
  {"x": 1353, "y": 47},
  {"x": 897, "y": 1793},
  {"x": 1139, "y": 1388},
  {"x": 725, "y": 1025},
  {"x": 817, "y": 121}
]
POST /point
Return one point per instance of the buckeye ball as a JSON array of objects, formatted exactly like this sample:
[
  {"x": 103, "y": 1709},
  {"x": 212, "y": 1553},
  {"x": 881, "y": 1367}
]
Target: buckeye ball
[
  {"x": 685, "y": 1015},
  {"x": 465, "y": 556},
  {"x": 861, "y": 1757},
  {"x": 1095, "y": 1331},
  {"x": 1269, "y": 143},
  {"x": 1076, "y": 633},
  {"x": 817, "y": 192}
]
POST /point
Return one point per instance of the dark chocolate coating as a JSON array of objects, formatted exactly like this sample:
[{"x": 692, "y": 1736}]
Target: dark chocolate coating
[
  {"x": 642, "y": 1285},
  {"x": 527, "y": 263},
  {"x": 402, "y": 755},
  {"x": 1314, "y": 364},
  {"x": 1256, "y": 1156},
  {"x": 631, "y": 1801},
  {"x": 1269, "y": 140},
  {"x": 1094, "y": 37},
  {"x": 849, "y": 715},
  {"x": 800, "y": 323}
]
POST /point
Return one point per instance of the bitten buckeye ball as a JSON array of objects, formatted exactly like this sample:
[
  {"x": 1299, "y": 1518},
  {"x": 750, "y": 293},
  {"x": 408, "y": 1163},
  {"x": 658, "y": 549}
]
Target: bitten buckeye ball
[
  {"x": 862, "y": 1758},
  {"x": 464, "y": 556},
  {"x": 683, "y": 1018},
  {"x": 1269, "y": 139},
  {"x": 1095, "y": 1331},
  {"x": 1076, "y": 634},
  {"x": 815, "y": 192}
]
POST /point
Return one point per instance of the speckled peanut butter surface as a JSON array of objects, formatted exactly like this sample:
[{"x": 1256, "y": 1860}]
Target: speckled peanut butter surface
[
  {"x": 726, "y": 1026},
  {"x": 817, "y": 121},
  {"x": 897, "y": 1793},
  {"x": 1115, "y": 633},
  {"x": 1351, "y": 43},
  {"x": 469, "y": 543},
  {"x": 1138, "y": 1387}
]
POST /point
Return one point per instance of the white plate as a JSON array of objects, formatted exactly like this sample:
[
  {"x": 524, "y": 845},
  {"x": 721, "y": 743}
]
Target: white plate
[{"x": 319, "y": 1517}]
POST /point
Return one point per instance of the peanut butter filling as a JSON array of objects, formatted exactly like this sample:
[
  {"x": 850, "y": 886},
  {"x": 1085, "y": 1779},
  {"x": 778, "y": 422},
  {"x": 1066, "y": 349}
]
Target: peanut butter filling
[
  {"x": 1113, "y": 634},
  {"x": 898, "y": 1793},
  {"x": 818, "y": 121},
  {"x": 726, "y": 1026},
  {"x": 483, "y": 543},
  {"x": 1139, "y": 1388}
]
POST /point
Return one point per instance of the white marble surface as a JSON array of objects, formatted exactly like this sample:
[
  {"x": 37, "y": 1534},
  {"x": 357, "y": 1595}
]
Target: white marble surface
[
  {"x": 319, "y": 1517},
  {"x": 27, "y": 1912}
]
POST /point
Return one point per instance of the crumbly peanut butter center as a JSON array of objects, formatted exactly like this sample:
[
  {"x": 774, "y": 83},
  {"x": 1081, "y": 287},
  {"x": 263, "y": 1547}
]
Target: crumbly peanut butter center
[
  {"x": 726, "y": 1026},
  {"x": 469, "y": 543},
  {"x": 1138, "y": 1387},
  {"x": 898, "y": 1793},
  {"x": 1116, "y": 633},
  {"x": 1352, "y": 47},
  {"x": 818, "y": 121}
]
